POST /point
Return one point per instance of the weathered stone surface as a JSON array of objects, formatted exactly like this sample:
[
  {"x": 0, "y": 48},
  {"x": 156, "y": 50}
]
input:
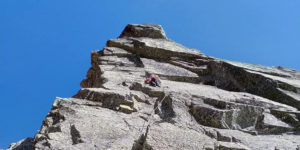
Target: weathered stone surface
[
  {"x": 25, "y": 144},
  {"x": 230, "y": 146},
  {"x": 203, "y": 102},
  {"x": 144, "y": 30}
]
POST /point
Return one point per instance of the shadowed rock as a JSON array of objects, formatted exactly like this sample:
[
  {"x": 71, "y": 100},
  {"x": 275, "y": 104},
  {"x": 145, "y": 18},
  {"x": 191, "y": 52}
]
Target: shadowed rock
[
  {"x": 25, "y": 144},
  {"x": 145, "y": 30}
]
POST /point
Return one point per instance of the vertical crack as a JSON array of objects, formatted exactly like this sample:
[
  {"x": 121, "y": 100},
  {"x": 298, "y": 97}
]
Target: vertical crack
[
  {"x": 141, "y": 143},
  {"x": 76, "y": 138}
]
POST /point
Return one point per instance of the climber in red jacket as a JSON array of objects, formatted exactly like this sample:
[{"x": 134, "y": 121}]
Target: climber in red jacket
[{"x": 153, "y": 80}]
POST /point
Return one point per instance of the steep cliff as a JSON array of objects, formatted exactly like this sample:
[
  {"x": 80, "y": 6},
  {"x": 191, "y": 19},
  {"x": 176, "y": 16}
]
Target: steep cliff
[{"x": 203, "y": 102}]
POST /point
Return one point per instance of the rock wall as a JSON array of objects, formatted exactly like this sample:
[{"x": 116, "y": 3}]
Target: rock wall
[{"x": 203, "y": 103}]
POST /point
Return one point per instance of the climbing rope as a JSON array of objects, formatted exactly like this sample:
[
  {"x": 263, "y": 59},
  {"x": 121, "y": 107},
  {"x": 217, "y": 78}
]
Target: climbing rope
[{"x": 152, "y": 113}]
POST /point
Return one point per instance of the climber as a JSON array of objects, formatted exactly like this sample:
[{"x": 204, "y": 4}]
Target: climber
[{"x": 153, "y": 80}]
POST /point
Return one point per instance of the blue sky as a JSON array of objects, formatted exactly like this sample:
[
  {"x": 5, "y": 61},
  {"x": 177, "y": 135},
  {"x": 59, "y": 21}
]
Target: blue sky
[{"x": 45, "y": 45}]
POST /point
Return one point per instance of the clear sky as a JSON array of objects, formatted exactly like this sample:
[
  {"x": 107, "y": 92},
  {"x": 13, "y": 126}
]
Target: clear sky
[{"x": 45, "y": 45}]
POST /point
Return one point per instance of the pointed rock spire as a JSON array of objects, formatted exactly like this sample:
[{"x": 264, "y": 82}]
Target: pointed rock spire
[{"x": 144, "y": 30}]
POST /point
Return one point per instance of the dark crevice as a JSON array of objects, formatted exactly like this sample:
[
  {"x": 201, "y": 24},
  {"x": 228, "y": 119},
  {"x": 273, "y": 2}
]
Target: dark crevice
[
  {"x": 54, "y": 129},
  {"x": 136, "y": 60},
  {"x": 141, "y": 143},
  {"x": 76, "y": 138},
  {"x": 167, "y": 111},
  {"x": 56, "y": 116}
]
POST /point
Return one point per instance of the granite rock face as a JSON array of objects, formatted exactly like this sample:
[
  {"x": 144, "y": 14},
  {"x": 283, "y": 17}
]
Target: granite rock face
[{"x": 203, "y": 103}]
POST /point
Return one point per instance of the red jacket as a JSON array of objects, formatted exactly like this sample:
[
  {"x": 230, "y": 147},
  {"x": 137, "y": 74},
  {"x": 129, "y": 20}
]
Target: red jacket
[{"x": 148, "y": 80}]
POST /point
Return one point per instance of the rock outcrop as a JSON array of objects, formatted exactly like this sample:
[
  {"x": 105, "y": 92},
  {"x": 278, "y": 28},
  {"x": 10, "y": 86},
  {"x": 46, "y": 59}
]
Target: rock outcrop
[{"x": 203, "y": 103}]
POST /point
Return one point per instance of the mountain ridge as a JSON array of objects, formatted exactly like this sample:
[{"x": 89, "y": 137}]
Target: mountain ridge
[{"x": 203, "y": 103}]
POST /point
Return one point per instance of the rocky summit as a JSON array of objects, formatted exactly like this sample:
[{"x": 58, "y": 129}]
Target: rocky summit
[{"x": 203, "y": 102}]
